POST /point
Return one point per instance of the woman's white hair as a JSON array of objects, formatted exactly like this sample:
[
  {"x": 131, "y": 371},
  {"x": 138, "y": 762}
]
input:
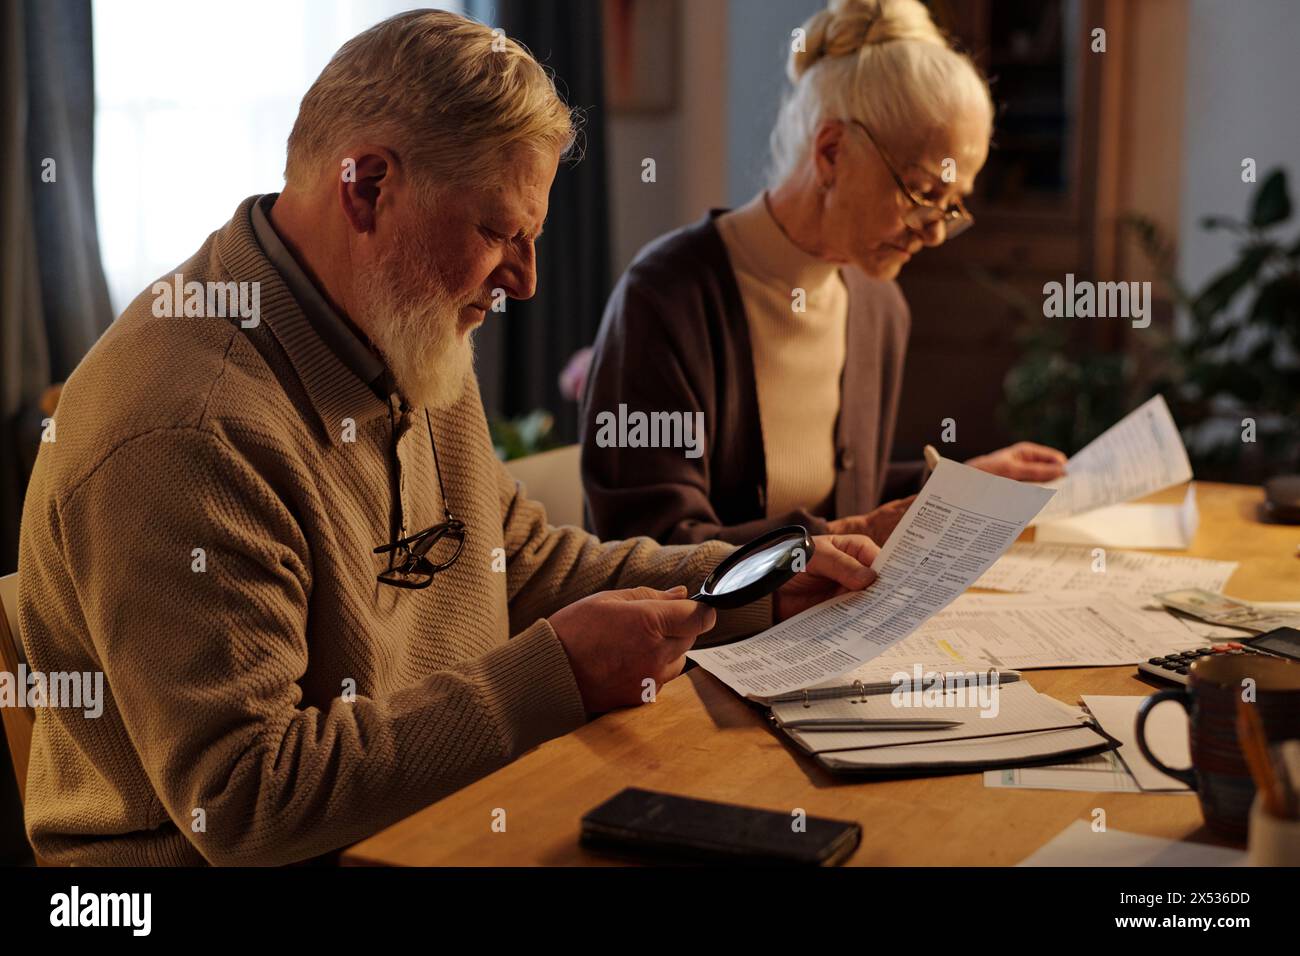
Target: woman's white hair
[
  {"x": 447, "y": 94},
  {"x": 882, "y": 62}
]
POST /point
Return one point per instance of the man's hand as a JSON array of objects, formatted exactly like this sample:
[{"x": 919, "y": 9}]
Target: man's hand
[
  {"x": 1023, "y": 461},
  {"x": 840, "y": 562},
  {"x": 617, "y": 639},
  {"x": 877, "y": 524}
]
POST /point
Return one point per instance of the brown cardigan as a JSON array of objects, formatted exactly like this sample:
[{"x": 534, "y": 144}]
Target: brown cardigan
[{"x": 674, "y": 337}]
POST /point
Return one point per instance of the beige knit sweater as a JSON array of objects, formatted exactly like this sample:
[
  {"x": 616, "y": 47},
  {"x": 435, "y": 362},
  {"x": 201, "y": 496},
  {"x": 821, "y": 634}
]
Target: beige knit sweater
[{"x": 229, "y": 734}]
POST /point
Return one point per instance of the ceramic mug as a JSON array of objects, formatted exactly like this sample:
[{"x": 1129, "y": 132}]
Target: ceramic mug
[{"x": 1218, "y": 773}]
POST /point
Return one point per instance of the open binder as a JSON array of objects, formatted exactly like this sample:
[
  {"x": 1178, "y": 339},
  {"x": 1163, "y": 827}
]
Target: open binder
[{"x": 1008, "y": 725}]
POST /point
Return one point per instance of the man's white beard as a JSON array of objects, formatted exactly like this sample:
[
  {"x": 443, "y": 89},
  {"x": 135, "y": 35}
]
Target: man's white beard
[{"x": 419, "y": 339}]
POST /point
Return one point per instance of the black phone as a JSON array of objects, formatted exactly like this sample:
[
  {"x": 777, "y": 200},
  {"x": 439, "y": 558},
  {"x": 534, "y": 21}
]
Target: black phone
[{"x": 649, "y": 826}]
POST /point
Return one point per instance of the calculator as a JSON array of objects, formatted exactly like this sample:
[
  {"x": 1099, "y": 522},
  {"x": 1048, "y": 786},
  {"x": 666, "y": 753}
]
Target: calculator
[{"x": 1283, "y": 642}]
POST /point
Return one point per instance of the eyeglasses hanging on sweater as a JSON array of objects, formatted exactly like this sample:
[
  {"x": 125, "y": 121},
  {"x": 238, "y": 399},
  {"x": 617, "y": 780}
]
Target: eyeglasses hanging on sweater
[{"x": 415, "y": 559}]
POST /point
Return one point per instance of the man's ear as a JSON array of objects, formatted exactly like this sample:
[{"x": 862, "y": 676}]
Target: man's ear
[{"x": 367, "y": 181}]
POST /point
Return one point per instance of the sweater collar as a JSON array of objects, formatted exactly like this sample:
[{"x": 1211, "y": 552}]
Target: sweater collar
[
  {"x": 346, "y": 340},
  {"x": 766, "y": 253},
  {"x": 324, "y": 350}
]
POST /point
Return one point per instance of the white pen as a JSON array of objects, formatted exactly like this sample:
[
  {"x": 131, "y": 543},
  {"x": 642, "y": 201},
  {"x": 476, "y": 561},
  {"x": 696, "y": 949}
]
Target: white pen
[{"x": 932, "y": 457}]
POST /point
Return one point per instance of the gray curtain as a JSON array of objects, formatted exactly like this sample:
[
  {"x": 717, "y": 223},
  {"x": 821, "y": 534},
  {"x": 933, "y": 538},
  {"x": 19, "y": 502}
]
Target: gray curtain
[
  {"x": 53, "y": 297},
  {"x": 520, "y": 353}
]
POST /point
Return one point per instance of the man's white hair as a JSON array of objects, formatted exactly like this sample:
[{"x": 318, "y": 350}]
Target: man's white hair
[{"x": 448, "y": 95}]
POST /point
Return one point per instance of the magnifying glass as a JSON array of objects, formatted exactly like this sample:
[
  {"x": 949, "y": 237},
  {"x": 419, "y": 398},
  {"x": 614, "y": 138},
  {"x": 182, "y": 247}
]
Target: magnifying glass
[{"x": 758, "y": 568}]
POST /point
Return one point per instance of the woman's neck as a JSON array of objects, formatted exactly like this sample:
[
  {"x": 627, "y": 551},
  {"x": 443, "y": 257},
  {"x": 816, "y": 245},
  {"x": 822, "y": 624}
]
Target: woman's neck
[{"x": 797, "y": 209}]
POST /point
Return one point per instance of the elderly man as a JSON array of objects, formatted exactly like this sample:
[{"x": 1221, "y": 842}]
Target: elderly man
[{"x": 318, "y": 600}]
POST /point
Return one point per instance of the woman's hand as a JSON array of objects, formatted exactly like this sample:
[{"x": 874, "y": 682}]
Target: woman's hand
[
  {"x": 1023, "y": 461},
  {"x": 877, "y": 524},
  {"x": 840, "y": 563}
]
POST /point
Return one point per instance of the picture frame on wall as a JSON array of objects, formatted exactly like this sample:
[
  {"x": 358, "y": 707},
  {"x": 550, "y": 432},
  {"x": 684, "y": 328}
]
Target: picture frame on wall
[{"x": 640, "y": 55}]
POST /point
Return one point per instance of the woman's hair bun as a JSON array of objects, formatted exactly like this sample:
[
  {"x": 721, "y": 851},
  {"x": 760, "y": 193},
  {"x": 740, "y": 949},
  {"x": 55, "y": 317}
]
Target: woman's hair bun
[{"x": 846, "y": 26}]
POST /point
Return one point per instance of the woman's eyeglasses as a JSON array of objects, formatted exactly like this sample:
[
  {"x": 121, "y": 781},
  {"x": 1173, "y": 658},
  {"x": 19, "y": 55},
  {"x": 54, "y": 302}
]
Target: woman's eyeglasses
[
  {"x": 955, "y": 217},
  {"x": 415, "y": 559}
]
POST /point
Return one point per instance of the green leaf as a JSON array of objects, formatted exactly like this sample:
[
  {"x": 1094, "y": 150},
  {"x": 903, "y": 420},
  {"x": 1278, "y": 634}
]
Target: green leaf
[
  {"x": 1272, "y": 204},
  {"x": 1221, "y": 222},
  {"x": 1223, "y": 288},
  {"x": 1278, "y": 302}
]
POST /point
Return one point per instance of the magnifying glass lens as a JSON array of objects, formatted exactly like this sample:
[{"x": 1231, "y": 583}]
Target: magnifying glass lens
[
  {"x": 757, "y": 568},
  {"x": 752, "y": 568}
]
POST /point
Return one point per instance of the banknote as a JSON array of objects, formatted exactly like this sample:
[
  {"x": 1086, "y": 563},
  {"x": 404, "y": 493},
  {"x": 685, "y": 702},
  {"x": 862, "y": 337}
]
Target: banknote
[{"x": 1220, "y": 609}]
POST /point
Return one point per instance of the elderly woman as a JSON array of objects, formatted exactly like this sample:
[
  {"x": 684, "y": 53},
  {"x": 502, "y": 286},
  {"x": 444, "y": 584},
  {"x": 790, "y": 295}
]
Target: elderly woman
[{"x": 778, "y": 325}]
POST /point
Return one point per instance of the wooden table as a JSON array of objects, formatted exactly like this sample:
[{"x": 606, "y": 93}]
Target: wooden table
[{"x": 701, "y": 740}]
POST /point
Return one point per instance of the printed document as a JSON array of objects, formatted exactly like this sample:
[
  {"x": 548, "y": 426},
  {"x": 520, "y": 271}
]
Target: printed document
[
  {"x": 1060, "y": 567},
  {"x": 961, "y": 522},
  {"x": 1053, "y": 629},
  {"x": 1139, "y": 454}
]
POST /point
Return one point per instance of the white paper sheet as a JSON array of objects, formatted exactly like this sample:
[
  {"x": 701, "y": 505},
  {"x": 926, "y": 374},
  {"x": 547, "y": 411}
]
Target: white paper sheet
[
  {"x": 960, "y": 523},
  {"x": 1139, "y": 454},
  {"x": 1080, "y": 845},
  {"x": 1062, "y": 567},
  {"x": 1128, "y": 526},
  {"x": 1052, "y": 629},
  {"x": 1099, "y": 773},
  {"x": 1166, "y": 733}
]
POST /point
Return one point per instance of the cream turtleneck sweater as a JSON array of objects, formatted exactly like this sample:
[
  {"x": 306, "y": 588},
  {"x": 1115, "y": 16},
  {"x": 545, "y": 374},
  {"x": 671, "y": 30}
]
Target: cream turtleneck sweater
[{"x": 798, "y": 355}]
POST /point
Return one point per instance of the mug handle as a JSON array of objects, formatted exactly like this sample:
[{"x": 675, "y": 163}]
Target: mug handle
[{"x": 1187, "y": 776}]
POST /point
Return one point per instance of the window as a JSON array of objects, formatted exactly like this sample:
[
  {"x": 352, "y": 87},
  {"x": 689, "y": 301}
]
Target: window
[{"x": 194, "y": 103}]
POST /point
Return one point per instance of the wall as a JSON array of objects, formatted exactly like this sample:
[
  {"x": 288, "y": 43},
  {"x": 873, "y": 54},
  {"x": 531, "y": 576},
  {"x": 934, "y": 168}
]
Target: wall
[
  {"x": 1243, "y": 76},
  {"x": 686, "y": 142},
  {"x": 758, "y": 46}
]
